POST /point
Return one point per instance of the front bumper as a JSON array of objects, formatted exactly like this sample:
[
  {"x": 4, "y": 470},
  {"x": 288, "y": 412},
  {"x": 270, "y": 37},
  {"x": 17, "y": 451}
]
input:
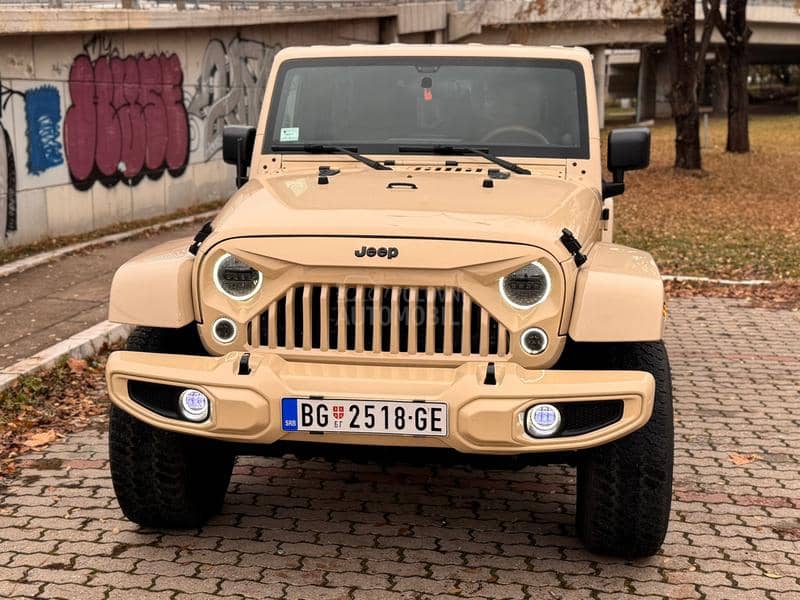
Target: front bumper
[{"x": 483, "y": 419}]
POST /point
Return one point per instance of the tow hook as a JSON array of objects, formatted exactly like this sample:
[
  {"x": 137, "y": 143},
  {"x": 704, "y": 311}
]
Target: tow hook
[
  {"x": 244, "y": 364},
  {"x": 491, "y": 378}
]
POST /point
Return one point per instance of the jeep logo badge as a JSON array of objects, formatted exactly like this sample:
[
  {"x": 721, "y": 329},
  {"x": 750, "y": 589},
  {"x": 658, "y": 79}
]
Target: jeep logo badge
[{"x": 381, "y": 252}]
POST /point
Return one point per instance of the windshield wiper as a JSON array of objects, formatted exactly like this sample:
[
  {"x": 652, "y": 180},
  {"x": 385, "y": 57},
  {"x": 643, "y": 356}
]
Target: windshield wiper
[
  {"x": 323, "y": 149},
  {"x": 454, "y": 150}
]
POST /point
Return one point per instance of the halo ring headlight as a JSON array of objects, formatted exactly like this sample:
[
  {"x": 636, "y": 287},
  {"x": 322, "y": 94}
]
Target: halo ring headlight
[
  {"x": 238, "y": 277},
  {"x": 534, "y": 340},
  {"x": 224, "y": 330},
  {"x": 525, "y": 286}
]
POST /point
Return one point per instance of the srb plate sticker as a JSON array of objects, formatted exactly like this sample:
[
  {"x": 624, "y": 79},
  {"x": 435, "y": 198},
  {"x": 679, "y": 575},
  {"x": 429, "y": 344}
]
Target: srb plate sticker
[
  {"x": 290, "y": 134},
  {"x": 364, "y": 416},
  {"x": 289, "y": 414}
]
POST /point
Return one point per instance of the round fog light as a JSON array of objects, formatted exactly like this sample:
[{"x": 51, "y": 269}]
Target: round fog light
[
  {"x": 533, "y": 340},
  {"x": 224, "y": 330},
  {"x": 193, "y": 405},
  {"x": 542, "y": 420}
]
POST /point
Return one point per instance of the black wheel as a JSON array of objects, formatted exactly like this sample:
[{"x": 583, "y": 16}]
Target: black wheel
[
  {"x": 625, "y": 488},
  {"x": 162, "y": 478}
]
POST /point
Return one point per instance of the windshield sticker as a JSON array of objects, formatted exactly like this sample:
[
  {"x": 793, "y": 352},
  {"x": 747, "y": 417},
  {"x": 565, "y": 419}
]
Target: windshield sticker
[{"x": 290, "y": 134}]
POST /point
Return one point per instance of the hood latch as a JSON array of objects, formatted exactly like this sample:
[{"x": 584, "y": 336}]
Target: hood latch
[
  {"x": 573, "y": 246},
  {"x": 204, "y": 232}
]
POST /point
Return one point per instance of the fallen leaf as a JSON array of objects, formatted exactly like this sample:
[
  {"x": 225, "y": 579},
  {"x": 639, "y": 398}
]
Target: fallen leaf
[
  {"x": 40, "y": 439},
  {"x": 773, "y": 575},
  {"x": 743, "y": 459},
  {"x": 77, "y": 365}
]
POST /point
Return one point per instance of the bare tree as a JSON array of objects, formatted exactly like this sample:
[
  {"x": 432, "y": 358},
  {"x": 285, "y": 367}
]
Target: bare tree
[
  {"x": 687, "y": 65},
  {"x": 737, "y": 34}
]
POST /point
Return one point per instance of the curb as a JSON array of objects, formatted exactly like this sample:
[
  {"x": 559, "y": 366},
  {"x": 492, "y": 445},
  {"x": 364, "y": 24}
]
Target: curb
[
  {"x": 680, "y": 278},
  {"x": 23, "y": 264},
  {"x": 81, "y": 345}
]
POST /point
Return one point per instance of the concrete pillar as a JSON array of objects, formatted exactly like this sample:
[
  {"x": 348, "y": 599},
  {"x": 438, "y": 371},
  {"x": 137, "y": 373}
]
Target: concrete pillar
[
  {"x": 600, "y": 81},
  {"x": 438, "y": 36},
  {"x": 719, "y": 87},
  {"x": 663, "y": 87},
  {"x": 389, "y": 31},
  {"x": 646, "y": 86}
]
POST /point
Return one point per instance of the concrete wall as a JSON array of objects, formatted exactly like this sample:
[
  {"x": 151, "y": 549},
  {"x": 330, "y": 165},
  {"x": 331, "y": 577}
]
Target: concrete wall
[{"x": 103, "y": 128}]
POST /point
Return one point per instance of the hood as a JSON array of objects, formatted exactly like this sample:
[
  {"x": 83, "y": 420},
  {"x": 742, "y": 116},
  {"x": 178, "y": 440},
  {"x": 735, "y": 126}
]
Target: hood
[{"x": 413, "y": 202}]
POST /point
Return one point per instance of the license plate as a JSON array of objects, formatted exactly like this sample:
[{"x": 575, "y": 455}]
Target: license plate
[{"x": 364, "y": 416}]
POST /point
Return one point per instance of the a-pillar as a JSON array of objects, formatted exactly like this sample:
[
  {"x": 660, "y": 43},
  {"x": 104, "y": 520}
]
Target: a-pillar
[
  {"x": 646, "y": 86},
  {"x": 600, "y": 63}
]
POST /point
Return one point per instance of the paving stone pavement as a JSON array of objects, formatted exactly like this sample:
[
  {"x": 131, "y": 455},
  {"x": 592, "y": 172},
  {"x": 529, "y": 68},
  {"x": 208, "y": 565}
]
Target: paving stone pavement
[
  {"x": 312, "y": 529},
  {"x": 46, "y": 304}
]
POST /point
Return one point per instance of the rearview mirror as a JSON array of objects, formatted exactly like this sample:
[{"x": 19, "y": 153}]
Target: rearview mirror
[
  {"x": 628, "y": 150},
  {"x": 237, "y": 149}
]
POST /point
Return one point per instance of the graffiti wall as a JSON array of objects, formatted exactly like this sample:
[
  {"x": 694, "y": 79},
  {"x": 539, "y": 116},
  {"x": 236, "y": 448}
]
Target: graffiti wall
[
  {"x": 101, "y": 128},
  {"x": 126, "y": 120},
  {"x": 229, "y": 89}
]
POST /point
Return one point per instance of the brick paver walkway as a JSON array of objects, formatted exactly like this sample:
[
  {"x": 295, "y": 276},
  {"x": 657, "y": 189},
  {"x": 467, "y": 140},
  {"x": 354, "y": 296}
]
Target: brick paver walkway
[
  {"x": 316, "y": 530},
  {"x": 46, "y": 304}
]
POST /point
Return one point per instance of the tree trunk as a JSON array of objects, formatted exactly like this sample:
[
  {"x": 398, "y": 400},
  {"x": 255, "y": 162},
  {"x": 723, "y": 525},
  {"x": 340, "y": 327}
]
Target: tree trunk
[
  {"x": 737, "y": 37},
  {"x": 682, "y": 54}
]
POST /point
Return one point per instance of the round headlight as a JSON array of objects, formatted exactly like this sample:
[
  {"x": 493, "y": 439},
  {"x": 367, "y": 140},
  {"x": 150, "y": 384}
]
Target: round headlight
[
  {"x": 526, "y": 287},
  {"x": 542, "y": 420},
  {"x": 224, "y": 330},
  {"x": 533, "y": 340},
  {"x": 235, "y": 278},
  {"x": 193, "y": 405}
]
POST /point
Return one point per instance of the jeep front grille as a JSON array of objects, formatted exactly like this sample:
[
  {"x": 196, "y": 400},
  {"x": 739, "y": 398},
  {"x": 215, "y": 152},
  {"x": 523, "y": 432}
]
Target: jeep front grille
[{"x": 410, "y": 320}]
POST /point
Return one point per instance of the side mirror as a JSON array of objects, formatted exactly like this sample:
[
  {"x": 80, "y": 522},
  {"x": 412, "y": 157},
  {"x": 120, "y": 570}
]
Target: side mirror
[
  {"x": 628, "y": 150},
  {"x": 237, "y": 149}
]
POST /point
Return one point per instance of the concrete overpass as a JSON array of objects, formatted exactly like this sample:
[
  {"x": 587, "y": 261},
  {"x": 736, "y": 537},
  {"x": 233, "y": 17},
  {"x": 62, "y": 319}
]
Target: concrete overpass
[
  {"x": 608, "y": 24},
  {"x": 75, "y": 138}
]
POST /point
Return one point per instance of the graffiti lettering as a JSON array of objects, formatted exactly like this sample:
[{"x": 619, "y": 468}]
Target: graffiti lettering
[
  {"x": 8, "y": 173},
  {"x": 127, "y": 119},
  {"x": 8, "y": 187},
  {"x": 230, "y": 88},
  {"x": 43, "y": 128}
]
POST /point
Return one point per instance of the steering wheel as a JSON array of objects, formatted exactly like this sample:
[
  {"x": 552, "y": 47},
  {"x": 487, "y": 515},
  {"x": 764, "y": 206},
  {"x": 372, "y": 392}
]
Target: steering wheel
[{"x": 531, "y": 133}]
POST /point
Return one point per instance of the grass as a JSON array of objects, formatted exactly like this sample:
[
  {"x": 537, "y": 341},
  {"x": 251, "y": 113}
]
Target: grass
[
  {"x": 738, "y": 219},
  {"x": 17, "y": 252}
]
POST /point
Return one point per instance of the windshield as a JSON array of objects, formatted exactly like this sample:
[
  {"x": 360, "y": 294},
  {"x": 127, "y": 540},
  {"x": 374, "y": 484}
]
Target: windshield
[{"x": 514, "y": 107}]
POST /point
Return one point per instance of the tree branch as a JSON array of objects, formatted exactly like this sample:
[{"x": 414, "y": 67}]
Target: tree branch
[{"x": 711, "y": 17}]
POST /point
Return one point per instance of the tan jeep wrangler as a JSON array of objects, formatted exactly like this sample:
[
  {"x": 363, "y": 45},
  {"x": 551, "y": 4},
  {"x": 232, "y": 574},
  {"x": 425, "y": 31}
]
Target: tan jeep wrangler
[{"x": 419, "y": 257}]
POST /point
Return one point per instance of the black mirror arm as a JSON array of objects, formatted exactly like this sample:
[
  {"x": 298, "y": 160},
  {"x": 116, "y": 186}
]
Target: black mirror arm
[
  {"x": 241, "y": 168},
  {"x": 615, "y": 187}
]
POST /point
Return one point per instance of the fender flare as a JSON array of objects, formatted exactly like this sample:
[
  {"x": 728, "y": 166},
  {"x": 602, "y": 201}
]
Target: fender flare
[
  {"x": 154, "y": 289},
  {"x": 619, "y": 297}
]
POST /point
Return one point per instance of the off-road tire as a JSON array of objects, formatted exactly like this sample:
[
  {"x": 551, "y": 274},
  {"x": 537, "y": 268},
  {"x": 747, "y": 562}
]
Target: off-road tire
[
  {"x": 624, "y": 489},
  {"x": 162, "y": 478}
]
